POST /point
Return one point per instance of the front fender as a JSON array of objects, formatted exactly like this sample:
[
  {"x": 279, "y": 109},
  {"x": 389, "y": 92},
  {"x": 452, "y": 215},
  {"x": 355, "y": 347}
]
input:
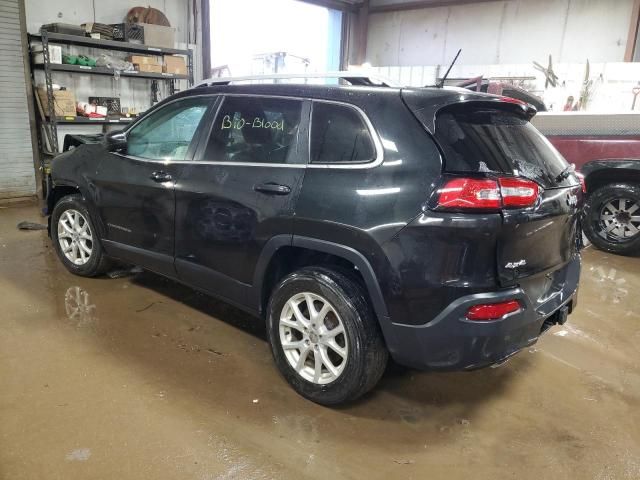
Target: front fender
[
  {"x": 73, "y": 172},
  {"x": 601, "y": 172}
]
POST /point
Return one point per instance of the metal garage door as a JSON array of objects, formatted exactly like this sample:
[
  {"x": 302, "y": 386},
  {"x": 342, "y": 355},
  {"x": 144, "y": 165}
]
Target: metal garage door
[{"x": 17, "y": 177}]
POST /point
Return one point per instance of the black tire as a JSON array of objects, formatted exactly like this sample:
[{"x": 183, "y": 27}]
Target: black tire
[
  {"x": 595, "y": 228},
  {"x": 366, "y": 356},
  {"x": 97, "y": 263}
]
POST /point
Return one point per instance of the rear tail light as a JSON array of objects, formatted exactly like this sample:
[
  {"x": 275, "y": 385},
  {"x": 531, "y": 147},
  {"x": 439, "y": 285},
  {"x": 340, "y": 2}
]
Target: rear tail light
[
  {"x": 488, "y": 194},
  {"x": 492, "y": 311},
  {"x": 518, "y": 192},
  {"x": 469, "y": 193}
]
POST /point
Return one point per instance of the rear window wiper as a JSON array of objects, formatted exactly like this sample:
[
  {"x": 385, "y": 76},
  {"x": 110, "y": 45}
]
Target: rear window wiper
[{"x": 565, "y": 173}]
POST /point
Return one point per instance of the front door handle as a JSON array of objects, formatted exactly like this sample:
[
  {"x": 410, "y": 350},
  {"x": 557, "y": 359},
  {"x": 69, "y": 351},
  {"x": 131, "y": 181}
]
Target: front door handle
[
  {"x": 161, "y": 177},
  {"x": 272, "y": 189}
]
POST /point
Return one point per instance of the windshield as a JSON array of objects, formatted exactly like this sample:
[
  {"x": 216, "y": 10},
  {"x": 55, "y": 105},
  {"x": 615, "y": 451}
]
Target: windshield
[{"x": 498, "y": 141}]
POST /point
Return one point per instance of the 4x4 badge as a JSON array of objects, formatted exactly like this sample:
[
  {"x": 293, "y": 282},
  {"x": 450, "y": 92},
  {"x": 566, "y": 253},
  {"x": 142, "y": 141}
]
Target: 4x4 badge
[{"x": 514, "y": 265}]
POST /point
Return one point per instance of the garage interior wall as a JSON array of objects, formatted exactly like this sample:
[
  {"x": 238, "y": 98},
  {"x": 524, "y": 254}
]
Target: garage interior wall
[
  {"x": 16, "y": 155},
  {"x": 509, "y": 31},
  {"x": 41, "y": 12}
]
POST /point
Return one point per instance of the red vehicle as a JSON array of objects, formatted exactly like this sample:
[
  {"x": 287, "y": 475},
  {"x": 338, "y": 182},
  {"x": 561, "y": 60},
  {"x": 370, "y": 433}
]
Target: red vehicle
[{"x": 605, "y": 149}]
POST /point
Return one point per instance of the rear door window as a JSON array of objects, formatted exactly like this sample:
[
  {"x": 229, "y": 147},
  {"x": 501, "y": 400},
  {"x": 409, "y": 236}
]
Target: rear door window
[
  {"x": 256, "y": 130},
  {"x": 339, "y": 135},
  {"x": 486, "y": 141}
]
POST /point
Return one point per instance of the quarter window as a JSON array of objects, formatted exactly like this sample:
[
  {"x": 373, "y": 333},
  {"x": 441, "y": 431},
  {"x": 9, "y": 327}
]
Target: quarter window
[
  {"x": 255, "y": 130},
  {"x": 339, "y": 135},
  {"x": 167, "y": 133}
]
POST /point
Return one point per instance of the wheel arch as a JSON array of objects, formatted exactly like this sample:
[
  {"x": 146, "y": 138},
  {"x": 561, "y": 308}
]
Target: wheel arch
[
  {"x": 63, "y": 189},
  {"x": 602, "y": 172},
  {"x": 285, "y": 253},
  {"x": 59, "y": 191},
  {"x": 56, "y": 193}
]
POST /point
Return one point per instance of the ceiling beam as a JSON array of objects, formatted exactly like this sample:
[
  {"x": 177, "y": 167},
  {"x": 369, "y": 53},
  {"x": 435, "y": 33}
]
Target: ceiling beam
[
  {"x": 420, "y": 4},
  {"x": 336, "y": 4}
]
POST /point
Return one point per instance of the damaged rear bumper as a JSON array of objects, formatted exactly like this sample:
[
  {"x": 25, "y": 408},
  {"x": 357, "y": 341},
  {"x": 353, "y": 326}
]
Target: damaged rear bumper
[{"x": 452, "y": 342}]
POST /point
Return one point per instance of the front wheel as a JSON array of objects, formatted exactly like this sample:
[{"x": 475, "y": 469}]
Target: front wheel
[
  {"x": 75, "y": 239},
  {"x": 324, "y": 336}
]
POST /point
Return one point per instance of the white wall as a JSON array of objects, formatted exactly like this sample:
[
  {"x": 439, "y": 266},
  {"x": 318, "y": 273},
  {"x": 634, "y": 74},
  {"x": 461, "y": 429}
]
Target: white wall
[
  {"x": 508, "y": 31},
  {"x": 611, "y": 87}
]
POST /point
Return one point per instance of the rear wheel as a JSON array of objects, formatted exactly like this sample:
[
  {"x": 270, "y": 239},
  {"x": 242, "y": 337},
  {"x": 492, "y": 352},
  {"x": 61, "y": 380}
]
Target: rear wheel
[
  {"x": 75, "y": 238},
  {"x": 324, "y": 337},
  {"x": 612, "y": 218}
]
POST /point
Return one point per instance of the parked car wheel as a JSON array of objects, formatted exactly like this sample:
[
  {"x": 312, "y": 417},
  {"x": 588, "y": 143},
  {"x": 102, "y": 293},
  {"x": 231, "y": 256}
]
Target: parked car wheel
[
  {"x": 75, "y": 238},
  {"x": 612, "y": 218},
  {"x": 324, "y": 337}
]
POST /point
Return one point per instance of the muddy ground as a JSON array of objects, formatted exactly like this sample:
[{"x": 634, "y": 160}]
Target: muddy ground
[{"x": 141, "y": 378}]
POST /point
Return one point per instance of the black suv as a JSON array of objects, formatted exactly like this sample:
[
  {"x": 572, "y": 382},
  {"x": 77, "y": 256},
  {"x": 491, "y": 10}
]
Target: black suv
[{"x": 434, "y": 225}]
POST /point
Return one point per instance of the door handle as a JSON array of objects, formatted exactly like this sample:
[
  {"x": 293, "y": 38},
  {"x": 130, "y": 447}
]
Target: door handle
[
  {"x": 272, "y": 189},
  {"x": 160, "y": 177}
]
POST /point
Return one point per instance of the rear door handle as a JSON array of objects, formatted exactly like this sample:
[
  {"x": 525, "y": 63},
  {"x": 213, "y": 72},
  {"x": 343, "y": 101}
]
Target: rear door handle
[
  {"x": 272, "y": 189},
  {"x": 160, "y": 177}
]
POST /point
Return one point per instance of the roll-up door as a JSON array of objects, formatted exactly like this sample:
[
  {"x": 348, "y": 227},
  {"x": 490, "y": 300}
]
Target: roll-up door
[{"x": 17, "y": 176}]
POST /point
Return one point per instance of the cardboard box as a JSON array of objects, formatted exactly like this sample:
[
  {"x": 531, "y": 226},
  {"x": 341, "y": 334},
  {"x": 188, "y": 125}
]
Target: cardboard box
[
  {"x": 149, "y": 68},
  {"x": 159, "y": 36},
  {"x": 174, "y": 64},
  {"x": 64, "y": 102},
  {"x": 55, "y": 54},
  {"x": 145, "y": 59}
]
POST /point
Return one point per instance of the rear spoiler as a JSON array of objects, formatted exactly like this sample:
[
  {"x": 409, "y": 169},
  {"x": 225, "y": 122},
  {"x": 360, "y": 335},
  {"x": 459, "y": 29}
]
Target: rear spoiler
[{"x": 427, "y": 103}]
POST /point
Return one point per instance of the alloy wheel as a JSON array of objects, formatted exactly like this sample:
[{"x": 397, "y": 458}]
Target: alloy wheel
[
  {"x": 75, "y": 237},
  {"x": 620, "y": 219},
  {"x": 313, "y": 338}
]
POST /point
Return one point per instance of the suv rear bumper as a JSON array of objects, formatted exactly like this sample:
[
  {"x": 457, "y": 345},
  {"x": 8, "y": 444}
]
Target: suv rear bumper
[{"x": 452, "y": 342}]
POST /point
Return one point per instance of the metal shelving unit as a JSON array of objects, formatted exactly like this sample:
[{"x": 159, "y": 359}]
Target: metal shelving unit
[
  {"x": 49, "y": 125},
  {"x": 110, "y": 71},
  {"x": 94, "y": 121},
  {"x": 61, "y": 38}
]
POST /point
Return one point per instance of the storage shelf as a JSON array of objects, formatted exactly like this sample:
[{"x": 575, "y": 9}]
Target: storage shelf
[
  {"x": 62, "y": 67},
  {"x": 97, "y": 121},
  {"x": 51, "y": 134},
  {"x": 108, "y": 44}
]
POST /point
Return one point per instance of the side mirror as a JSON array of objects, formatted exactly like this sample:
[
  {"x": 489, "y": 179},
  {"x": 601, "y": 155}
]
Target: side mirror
[{"x": 116, "y": 141}]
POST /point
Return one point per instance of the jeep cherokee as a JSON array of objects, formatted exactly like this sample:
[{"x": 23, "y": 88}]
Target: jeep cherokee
[{"x": 434, "y": 225}]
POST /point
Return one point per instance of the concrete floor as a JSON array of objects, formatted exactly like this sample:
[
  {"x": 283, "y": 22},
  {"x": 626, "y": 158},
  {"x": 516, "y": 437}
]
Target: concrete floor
[{"x": 139, "y": 377}]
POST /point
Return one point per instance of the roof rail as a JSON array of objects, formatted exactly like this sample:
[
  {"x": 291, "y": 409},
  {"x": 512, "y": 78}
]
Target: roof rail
[{"x": 354, "y": 78}]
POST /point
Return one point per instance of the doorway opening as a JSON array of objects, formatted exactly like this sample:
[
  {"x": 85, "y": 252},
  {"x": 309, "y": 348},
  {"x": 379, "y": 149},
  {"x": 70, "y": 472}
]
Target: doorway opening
[{"x": 254, "y": 37}]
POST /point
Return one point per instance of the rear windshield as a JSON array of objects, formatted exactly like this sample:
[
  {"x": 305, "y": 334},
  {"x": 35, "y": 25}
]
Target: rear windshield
[{"x": 498, "y": 141}]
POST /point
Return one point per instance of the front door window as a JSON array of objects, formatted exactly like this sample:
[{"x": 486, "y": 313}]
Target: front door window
[{"x": 167, "y": 133}]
